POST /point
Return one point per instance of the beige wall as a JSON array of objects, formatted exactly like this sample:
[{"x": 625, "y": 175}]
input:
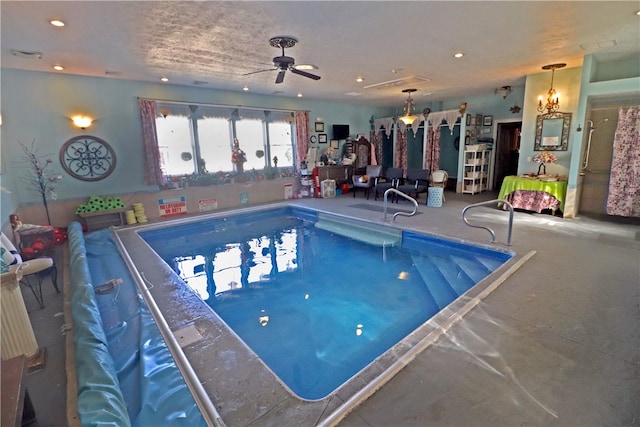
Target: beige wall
[{"x": 227, "y": 196}]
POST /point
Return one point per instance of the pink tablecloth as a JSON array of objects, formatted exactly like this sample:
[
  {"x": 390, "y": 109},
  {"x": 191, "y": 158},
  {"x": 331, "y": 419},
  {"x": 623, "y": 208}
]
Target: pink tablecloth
[{"x": 532, "y": 200}]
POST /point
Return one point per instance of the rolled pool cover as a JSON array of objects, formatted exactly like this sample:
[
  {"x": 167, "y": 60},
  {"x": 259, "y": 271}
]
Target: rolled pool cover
[
  {"x": 100, "y": 400},
  {"x": 153, "y": 390}
]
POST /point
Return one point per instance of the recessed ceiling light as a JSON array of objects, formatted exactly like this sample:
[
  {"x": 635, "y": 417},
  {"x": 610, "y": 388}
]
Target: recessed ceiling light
[
  {"x": 58, "y": 67},
  {"x": 359, "y": 79},
  {"x": 299, "y": 95},
  {"x": 458, "y": 55},
  {"x": 57, "y": 23},
  {"x": 164, "y": 79},
  {"x": 246, "y": 88}
]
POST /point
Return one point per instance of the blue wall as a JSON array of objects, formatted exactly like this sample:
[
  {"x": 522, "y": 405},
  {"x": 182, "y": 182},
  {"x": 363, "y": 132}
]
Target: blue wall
[{"x": 38, "y": 107}]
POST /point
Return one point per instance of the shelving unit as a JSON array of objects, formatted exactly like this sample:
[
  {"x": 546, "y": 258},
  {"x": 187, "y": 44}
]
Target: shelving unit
[
  {"x": 476, "y": 169},
  {"x": 306, "y": 183}
]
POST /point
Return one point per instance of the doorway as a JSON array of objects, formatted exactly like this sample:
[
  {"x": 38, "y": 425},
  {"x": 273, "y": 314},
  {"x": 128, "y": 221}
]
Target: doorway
[{"x": 507, "y": 151}]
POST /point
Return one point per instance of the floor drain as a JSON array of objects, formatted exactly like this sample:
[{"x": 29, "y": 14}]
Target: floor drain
[{"x": 187, "y": 335}]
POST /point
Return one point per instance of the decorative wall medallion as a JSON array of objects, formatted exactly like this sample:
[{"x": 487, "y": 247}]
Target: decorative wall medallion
[{"x": 87, "y": 158}]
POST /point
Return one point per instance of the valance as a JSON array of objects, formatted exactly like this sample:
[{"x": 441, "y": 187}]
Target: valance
[
  {"x": 219, "y": 112},
  {"x": 433, "y": 120}
]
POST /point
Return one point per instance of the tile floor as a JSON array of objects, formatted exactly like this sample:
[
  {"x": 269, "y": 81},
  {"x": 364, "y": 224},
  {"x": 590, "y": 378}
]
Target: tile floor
[{"x": 557, "y": 343}]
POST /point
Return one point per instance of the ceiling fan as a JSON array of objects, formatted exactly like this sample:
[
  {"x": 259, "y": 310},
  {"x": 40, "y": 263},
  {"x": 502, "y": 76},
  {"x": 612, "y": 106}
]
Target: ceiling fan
[{"x": 283, "y": 63}]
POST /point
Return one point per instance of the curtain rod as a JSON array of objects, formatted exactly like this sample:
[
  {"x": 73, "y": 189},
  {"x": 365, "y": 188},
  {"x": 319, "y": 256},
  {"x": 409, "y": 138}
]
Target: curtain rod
[
  {"x": 202, "y": 104},
  {"x": 613, "y": 107}
]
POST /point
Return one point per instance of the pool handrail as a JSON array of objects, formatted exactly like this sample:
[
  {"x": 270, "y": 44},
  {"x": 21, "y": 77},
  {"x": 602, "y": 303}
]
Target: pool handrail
[
  {"x": 487, "y": 203},
  {"x": 400, "y": 193},
  {"x": 206, "y": 406}
]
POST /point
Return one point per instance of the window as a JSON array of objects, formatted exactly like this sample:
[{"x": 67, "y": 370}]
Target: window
[
  {"x": 199, "y": 139},
  {"x": 174, "y": 140}
]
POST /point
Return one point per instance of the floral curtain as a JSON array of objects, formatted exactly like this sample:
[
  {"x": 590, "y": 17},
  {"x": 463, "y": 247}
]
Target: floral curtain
[
  {"x": 624, "y": 183},
  {"x": 432, "y": 152},
  {"x": 376, "y": 146},
  {"x": 301, "y": 119},
  {"x": 152, "y": 170},
  {"x": 400, "y": 160}
]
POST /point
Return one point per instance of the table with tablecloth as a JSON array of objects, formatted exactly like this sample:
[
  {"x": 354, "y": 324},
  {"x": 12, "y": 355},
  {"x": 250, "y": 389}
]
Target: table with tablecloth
[{"x": 533, "y": 194}]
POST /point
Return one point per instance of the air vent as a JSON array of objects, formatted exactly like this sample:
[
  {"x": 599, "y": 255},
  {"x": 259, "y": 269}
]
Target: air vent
[
  {"x": 200, "y": 83},
  {"x": 405, "y": 81},
  {"x": 26, "y": 54},
  {"x": 599, "y": 45}
]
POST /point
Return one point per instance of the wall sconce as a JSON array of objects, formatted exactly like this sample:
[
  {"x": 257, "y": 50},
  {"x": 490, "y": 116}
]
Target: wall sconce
[
  {"x": 408, "y": 118},
  {"x": 82, "y": 122},
  {"x": 504, "y": 91},
  {"x": 553, "y": 100}
]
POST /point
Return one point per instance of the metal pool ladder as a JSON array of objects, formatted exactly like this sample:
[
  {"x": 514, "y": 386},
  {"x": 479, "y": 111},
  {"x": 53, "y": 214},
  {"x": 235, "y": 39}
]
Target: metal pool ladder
[
  {"x": 400, "y": 193},
  {"x": 487, "y": 203}
]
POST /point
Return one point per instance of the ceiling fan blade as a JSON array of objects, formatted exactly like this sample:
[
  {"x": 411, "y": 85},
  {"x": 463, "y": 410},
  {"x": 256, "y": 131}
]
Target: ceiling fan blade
[
  {"x": 260, "y": 71},
  {"x": 304, "y": 73},
  {"x": 280, "y": 77}
]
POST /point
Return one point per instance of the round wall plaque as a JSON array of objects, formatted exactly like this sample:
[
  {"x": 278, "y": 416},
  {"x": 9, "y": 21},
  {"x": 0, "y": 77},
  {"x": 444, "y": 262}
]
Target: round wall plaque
[{"x": 87, "y": 158}]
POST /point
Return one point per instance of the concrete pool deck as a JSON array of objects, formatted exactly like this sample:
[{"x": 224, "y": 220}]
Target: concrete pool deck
[{"x": 556, "y": 344}]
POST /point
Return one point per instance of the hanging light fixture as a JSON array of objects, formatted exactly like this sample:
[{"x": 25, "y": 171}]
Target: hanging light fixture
[
  {"x": 504, "y": 91},
  {"x": 408, "y": 118},
  {"x": 553, "y": 101}
]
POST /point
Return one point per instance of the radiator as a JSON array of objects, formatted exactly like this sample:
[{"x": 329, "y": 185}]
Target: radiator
[{"x": 17, "y": 334}]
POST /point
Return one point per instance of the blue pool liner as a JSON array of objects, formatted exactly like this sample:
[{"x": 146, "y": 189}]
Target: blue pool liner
[{"x": 126, "y": 374}]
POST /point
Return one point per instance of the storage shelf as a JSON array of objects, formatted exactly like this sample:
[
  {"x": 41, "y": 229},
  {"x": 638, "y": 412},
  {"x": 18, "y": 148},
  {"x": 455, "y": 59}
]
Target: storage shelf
[{"x": 476, "y": 169}]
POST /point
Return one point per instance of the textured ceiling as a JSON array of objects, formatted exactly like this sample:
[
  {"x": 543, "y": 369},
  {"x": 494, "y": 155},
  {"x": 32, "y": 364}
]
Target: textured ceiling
[{"x": 218, "y": 42}]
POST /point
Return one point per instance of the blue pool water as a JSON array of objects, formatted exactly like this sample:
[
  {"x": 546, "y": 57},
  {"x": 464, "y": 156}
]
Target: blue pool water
[{"x": 315, "y": 306}]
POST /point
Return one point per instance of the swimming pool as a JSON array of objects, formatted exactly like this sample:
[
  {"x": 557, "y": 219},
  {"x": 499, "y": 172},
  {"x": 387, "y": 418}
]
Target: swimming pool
[
  {"x": 315, "y": 305},
  {"x": 222, "y": 350}
]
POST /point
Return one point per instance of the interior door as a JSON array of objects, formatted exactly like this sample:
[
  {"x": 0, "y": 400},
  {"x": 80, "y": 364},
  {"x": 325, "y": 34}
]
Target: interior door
[{"x": 508, "y": 151}]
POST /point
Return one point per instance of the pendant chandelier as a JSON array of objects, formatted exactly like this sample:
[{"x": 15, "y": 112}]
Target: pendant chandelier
[
  {"x": 553, "y": 100},
  {"x": 408, "y": 117}
]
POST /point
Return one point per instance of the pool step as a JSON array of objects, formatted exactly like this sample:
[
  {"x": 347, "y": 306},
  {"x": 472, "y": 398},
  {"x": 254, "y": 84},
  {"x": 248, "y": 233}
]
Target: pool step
[
  {"x": 431, "y": 275},
  {"x": 357, "y": 230},
  {"x": 474, "y": 267}
]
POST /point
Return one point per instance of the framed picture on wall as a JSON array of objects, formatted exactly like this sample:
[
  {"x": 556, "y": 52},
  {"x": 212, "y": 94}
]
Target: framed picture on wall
[
  {"x": 335, "y": 143},
  {"x": 478, "y": 119},
  {"x": 468, "y": 120},
  {"x": 320, "y": 127},
  {"x": 322, "y": 138},
  {"x": 487, "y": 121},
  {"x": 472, "y": 121}
]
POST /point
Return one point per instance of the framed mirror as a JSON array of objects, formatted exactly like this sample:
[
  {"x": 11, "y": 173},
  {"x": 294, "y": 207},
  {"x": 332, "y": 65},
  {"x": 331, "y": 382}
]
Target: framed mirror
[{"x": 552, "y": 132}]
